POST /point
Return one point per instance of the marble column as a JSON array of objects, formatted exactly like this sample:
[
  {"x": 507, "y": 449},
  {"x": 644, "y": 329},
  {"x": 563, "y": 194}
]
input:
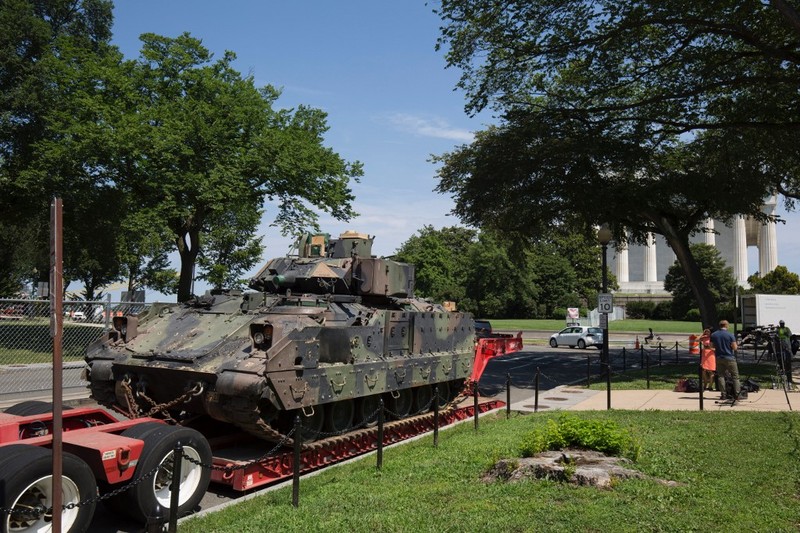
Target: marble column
[
  {"x": 621, "y": 270},
  {"x": 709, "y": 237},
  {"x": 767, "y": 244},
  {"x": 650, "y": 273},
  {"x": 739, "y": 250}
]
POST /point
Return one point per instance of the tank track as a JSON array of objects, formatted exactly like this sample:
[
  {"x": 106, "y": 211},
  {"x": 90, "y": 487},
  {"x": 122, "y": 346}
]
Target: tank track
[{"x": 260, "y": 429}]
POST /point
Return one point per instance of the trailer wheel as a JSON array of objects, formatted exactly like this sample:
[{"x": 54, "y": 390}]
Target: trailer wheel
[
  {"x": 32, "y": 407},
  {"x": 27, "y": 485},
  {"x": 159, "y": 444}
]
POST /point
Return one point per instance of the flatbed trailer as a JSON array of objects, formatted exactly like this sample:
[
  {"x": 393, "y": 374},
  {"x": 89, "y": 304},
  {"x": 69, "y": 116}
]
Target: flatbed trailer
[{"x": 128, "y": 463}]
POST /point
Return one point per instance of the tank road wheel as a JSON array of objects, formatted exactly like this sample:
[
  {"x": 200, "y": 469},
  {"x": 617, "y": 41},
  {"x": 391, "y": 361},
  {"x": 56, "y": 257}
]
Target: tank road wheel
[
  {"x": 28, "y": 486},
  {"x": 456, "y": 387},
  {"x": 367, "y": 410},
  {"x": 313, "y": 424},
  {"x": 32, "y": 407},
  {"x": 423, "y": 399},
  {"x": 444, "y": 393},
  {"x": 140, "y": 501},
  {"x": 339, "y": 416},
  {"x": 400, "y": 406}
]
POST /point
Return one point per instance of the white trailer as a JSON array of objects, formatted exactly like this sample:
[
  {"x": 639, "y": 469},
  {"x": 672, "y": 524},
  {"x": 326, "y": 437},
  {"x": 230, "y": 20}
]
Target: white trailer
[
  {"x": 761, "y": 314},
  {"x": 769, "y": 309}
]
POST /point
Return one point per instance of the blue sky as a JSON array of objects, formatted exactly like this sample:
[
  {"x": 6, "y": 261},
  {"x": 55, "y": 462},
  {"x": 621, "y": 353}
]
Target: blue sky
[{"x": 373, "y": 67}]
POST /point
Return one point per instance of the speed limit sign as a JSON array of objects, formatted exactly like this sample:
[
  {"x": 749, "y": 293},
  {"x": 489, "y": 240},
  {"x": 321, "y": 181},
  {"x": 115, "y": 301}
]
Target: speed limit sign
[{"x": 605, "y": 303}]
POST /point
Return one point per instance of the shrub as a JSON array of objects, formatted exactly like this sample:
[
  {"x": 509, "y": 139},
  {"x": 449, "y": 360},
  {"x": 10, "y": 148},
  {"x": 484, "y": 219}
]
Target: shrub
[
  {"x": 692, "y": 315},
  {"x": 640, "y": 309},
  {"x": 663, "y": 311},
  {"x": 570, "y": 431}
]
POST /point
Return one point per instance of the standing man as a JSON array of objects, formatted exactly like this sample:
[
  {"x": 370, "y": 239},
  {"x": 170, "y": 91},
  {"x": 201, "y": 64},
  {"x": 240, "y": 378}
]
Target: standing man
[
  {"x": 785, "y": 352},
  {"x": 725, "y": 347}
]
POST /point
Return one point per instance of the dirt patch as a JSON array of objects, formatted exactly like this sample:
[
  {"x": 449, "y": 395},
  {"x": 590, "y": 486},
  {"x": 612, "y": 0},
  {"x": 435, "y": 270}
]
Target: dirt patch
[{"x": 578, "y": 467}]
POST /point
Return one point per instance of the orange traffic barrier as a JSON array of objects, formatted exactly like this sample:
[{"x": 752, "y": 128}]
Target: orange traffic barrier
[{"x": 694, "y": 345}]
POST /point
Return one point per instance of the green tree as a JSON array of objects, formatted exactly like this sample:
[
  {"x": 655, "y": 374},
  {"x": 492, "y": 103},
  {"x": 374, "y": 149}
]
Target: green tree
[
  {"x": 499, "y": 284},
  {"x": 50, "y": 55},
  {"x": 634, "y": 113},
  {"x": 230, "y": 248},
  {"x": 721, "y": 283},
  {"x": 779, "y": 281},
  {"x": 439, "y": 259},
  {"x": 209, "y": 144}
]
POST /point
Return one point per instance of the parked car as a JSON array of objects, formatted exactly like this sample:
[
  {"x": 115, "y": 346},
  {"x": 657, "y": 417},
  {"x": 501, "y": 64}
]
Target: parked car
[
  {"x": 580, "y": 336},
  {"x": 78, "y": 315},
  {"x": 483, "y": 328}
]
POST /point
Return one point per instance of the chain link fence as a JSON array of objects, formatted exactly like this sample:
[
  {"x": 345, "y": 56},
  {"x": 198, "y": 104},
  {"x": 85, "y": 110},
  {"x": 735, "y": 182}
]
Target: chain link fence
[{"x": 26, "y": 343}]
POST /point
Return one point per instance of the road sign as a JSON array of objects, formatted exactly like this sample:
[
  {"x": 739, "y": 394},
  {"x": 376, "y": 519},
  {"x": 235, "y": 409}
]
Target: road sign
[{"x": 605, "y": 303}]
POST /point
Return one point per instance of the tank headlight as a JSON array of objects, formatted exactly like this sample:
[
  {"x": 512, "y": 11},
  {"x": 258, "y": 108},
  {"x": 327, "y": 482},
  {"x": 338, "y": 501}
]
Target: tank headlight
[{"x": 261, "y": 335}]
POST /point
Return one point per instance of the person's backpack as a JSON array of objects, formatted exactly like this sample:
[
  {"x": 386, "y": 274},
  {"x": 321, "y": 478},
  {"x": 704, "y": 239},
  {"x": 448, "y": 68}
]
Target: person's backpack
[
  {"x": 751, "y": 385},
  {"x": 692, "y": 385}
]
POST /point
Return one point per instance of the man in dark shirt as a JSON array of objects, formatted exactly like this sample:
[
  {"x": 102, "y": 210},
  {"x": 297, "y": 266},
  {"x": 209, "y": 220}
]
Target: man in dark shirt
[{"x": 725, "y": 347}]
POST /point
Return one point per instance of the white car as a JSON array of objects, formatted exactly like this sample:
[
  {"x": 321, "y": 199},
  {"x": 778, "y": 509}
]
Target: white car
[
  {"x": 580, "y": 336},
  {"x": 78, "y": 315}
]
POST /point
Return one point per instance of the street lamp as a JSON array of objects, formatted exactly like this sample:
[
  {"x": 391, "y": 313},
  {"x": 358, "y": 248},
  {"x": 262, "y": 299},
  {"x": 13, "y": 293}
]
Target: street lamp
[{"x": 604, "y": 236}]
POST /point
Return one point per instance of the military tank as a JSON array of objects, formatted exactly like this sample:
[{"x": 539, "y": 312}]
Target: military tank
[{"x": 324, "y": 333}]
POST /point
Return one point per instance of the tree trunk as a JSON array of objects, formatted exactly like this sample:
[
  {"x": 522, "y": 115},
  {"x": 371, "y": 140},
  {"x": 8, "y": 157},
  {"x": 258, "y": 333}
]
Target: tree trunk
[
  {"x": 680, "y": 245},
  {"x": 188, "y": 256}
]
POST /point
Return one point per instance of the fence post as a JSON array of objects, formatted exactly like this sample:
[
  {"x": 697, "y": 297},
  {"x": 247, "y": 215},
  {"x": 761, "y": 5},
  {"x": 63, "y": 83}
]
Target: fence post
[
  {"x": 647, "y": 372},
  {"x": 676, "y": 353},
  {"x": 624, "y": 359},
  {"x": 108, "y": 312},
  {"x": 155, "y": 522},
  {"x": 175, "y": 488},
  {"x": 702, "y": 385},
  {"x": 435, "y": 416},
  {"x": 475, "y": 405},
  {"x": 536, "y": 392},
  {"x": 380, "y": 434},
  {"x": 660, "y": 350},
  {"x": 641, "y": 355},
  {"x": 298, "y": 442},
  {"x": 588, "y": 371},
  {"x": 508, "y": 395}
]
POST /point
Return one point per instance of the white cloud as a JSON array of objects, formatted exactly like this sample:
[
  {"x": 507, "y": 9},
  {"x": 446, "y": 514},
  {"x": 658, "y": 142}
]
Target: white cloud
[{"x": 430, "y": 127}]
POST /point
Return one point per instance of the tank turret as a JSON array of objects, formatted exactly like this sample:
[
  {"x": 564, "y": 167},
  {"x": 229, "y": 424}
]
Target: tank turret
[{"x": 326, "y": 332}]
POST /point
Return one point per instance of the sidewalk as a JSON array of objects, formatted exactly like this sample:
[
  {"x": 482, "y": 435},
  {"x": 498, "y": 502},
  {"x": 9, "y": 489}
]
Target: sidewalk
[{"x": 573, "y": 398}]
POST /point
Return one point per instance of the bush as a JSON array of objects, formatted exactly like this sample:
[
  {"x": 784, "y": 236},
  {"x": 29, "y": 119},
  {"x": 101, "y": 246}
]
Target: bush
[
  {"x": 570, "y": 431},
  {"x": 640, "y": 309},
  {"x": 692, "y": 315},
  {"x": 663, "y": 311}
]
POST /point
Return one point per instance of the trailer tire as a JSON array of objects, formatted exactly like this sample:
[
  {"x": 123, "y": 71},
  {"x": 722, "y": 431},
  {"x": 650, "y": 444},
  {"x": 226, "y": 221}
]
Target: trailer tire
[
  {"x": 27, "y": 482},
  {"x": 32, "y": 407},
  {"x": 141, "y": 500}
]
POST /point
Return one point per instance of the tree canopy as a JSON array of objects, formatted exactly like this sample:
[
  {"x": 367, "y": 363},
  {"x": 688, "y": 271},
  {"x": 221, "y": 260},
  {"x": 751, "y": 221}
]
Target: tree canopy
[
  {"x": 649, "y": 116},
  {"x": 779, "y": 281},
  {"x": 717, "y": 274},
  {"x": 172, "y": 151},
  {"x": 494, "y": 277}
]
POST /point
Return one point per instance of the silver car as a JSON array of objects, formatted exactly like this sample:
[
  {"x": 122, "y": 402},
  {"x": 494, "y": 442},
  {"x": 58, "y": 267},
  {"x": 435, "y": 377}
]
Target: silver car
[{"x": 580, "y": 336}]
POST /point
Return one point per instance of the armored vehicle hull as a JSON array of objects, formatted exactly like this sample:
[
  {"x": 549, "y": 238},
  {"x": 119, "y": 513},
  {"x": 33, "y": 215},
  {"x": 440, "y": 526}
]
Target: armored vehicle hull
[{"x": 325, "y": 334}]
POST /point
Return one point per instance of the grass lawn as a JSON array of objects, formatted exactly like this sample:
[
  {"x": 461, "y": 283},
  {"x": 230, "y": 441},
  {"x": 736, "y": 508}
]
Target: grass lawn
[{"x": 734, "y": 471}]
